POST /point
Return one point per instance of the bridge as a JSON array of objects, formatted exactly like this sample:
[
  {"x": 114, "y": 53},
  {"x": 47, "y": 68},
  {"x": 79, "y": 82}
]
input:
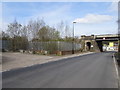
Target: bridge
[
  {"x": 95, "y": 42},
  {"x": 107, "y": 37}
]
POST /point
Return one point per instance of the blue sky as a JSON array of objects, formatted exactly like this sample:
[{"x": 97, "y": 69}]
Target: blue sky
[{"x": 91, "y": 17}]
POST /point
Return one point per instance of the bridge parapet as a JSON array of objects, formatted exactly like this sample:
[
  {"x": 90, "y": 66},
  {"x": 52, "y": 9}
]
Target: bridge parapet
[{"x": 107, "y": 35}]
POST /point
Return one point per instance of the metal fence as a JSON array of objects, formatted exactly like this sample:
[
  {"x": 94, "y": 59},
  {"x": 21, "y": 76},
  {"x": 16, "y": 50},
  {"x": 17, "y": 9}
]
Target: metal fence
[
  {"x": 53, "y": 45},
  {"x": 5, "y": 44},
  {"x": 50, "y": 46}
]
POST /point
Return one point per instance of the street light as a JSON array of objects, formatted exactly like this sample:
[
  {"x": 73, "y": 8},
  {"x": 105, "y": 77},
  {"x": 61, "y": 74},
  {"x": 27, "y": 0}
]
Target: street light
[{"x": 73, "y": 39}]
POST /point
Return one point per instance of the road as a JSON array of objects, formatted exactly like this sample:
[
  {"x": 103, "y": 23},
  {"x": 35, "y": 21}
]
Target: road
[{"x": 89, "y": 71}]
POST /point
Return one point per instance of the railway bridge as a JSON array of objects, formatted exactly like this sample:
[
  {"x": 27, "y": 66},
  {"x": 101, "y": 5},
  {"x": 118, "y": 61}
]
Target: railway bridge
[{"x": 96, "y": 42}]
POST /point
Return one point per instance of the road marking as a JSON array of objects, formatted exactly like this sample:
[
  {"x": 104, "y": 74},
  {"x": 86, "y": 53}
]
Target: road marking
[{"x": 116, "y": 68}]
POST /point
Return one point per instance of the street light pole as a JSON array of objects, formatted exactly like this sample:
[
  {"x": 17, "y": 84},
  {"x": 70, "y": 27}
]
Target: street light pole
[{"x": 73, "y": 39}]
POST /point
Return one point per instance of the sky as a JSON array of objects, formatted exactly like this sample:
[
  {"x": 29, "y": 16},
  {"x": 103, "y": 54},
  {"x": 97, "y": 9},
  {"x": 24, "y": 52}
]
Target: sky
[{"x": 90, "y": 17}]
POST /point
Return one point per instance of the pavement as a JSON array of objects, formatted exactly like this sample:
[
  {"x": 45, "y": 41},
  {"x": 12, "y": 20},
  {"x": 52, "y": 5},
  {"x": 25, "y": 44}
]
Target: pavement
[
  {"x": 95, "y": 70},
  {"x": 16, "y": 60}
]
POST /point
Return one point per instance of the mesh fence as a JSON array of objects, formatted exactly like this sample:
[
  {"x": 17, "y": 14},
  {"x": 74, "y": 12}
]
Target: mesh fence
[
  {"x": 53, "y": 46},
  {"x": 5, "y": 44},
  {"x": 50, "y": 46}
]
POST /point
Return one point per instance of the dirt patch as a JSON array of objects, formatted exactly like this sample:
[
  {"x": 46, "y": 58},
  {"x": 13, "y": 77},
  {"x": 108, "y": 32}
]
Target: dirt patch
[{"x": 16, "y": 60}]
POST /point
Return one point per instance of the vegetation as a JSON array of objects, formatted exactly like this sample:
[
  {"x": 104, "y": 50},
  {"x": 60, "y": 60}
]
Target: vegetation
[
  {"x": 119, "y": 47},
  {"x": 36, "y": 31},
  {"x": 47, "y": 33}
]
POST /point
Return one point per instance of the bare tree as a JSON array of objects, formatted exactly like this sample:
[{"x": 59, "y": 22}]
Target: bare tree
[
  {"x": 67, "y": 31},
  {"x": 61, "y": 29},
  {"x": 14, "y": 29},
  {"x": 4, "y": 36},
  {"x": 34, "y": 26},
  {"x": 64, "y": 29},
  {"x": 18, "y": 35}
]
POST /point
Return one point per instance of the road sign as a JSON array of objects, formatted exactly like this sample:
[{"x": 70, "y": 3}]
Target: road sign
[{"x": 111, "y": 44}]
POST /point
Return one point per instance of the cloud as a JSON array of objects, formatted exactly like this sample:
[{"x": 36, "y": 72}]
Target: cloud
[
  {"x": 93, "y": 18},
  {"x": 113, "y": 7},
  {"x": 52, "y": 16}
]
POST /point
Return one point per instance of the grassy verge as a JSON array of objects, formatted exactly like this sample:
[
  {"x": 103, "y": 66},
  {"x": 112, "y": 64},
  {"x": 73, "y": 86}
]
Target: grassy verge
[{"x": 117, "y": 56}]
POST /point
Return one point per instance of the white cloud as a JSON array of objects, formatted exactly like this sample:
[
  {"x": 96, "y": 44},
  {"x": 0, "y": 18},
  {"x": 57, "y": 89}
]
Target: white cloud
[
  {"x": 53, "y": 16},
  {"x": 113, "y": 6},
  {"x": 93, "y": 18}
]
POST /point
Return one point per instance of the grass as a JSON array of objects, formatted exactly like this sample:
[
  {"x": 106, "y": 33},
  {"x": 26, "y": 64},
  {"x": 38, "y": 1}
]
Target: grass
[{"x": 117, "y": 55}]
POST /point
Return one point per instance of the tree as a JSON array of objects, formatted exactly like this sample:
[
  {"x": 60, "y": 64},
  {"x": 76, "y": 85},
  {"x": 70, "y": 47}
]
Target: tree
[
  {"x": 43, "y": 33},
  {"x": 67, "y": 31},
  {"x": 34, "y": 26},
  {"x": 64, "y": 29},
  {"x": 14, "y": 29},
  {"x": 47, "y": 33},
  {"x": 61, "y": 29},
  {"x": 18, "y": 35},
  {"x": 4, "y": 36},
  {"x": 53, "y": 33}
]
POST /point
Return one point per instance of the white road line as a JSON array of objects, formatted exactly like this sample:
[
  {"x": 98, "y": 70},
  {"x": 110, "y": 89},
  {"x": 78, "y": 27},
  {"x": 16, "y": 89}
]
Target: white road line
[{"x": 116, "y": 67}]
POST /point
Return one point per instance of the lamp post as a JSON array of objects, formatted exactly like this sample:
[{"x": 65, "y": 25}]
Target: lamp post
[{"x": 73, "y": 39}]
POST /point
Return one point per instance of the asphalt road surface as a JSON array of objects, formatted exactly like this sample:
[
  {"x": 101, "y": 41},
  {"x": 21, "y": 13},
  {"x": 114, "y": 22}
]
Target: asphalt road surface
[{"x": 89, "y": 71}]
